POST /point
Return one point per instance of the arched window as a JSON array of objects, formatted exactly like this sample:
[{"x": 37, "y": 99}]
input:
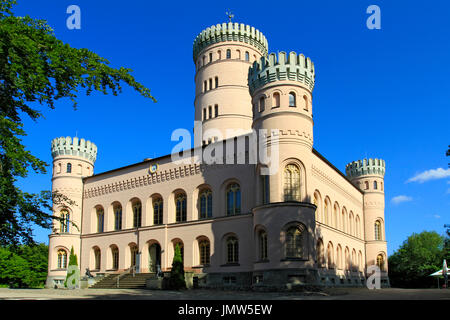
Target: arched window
[
  {"x": 115, "y": 258},
  {"x": 351, "y": 224},
  {"x": 358, "y": 227},
  {"x": 294, "y": 243},
  {"x": 380, "y": 262},
  {"x": 291, "y": 183},
  {"x": 305, "y": 99},
  {"x": 117, "y": 217},
  {"x": 367, "y": 185},
  {"x": 238, "y": 54},
  {"x": 344, "y": 220},
  {"x": 220, "y": 54},
  {"x": 326, "y": 208},
  {"x": 157, "y": 211},
  {"x": 100, "y": 220},
  {"x": 330, "y": 256},
  {"x": 375, "y": 185},
  {"x": 180, "y": 204},
  {"x": 261, "y": 104},
  {"x": 97, "y": 257},
  {"x": 377, "y": 230},
  {"x": 62, "y": 259},
  {"x": 137, "y": 214},
  {"x": 134, "y": 255},
  {"x": 318, "y": 204},
  {"x": 347, "y": 259},
  {"x": 276, "y": 100},
  {"x": 233, "y": 199},
  {"x": 292, "y": 100},
  {"x": 204, "y": 250},
  {"x": 65, "y": 220},
  {"x": 216, "y": 79},
  {"x": 232, "y": 250},
  {"x": 228, "y": 54},
  {"x": 205, "y": 204},
  {"x": 339, "y": 256},
  {"x": 320, "y": 254},
  {"x": 265, "y": 188},
  {"x": 262, "y": 235},
  {"x": 247, "y": 56},
  {"x": 69, "y": 167}
]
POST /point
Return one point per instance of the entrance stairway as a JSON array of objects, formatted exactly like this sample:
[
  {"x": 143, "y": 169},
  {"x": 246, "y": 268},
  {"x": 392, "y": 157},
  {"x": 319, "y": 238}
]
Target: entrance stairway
[{"x": 126, "y": 281}]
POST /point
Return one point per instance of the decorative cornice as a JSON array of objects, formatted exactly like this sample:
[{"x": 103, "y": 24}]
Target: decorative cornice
[{"x": 231, "y": 31}]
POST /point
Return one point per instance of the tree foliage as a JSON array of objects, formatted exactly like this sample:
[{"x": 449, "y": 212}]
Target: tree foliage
[
  {"x": 23, "y": 266},
  {"x": 73, "y": 261},
  {"x": 37, "y": 69},
  {"x": 176, "y": 280},
  {"x": 418, "y": 257}
]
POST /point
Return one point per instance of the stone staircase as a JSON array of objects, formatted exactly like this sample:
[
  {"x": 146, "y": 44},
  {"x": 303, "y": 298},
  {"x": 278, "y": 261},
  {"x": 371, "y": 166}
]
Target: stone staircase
[{"x": 126, "y": 281}]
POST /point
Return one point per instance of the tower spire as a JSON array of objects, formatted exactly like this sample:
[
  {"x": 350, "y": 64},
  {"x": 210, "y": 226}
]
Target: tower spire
[{"x": 229, "y": 14}]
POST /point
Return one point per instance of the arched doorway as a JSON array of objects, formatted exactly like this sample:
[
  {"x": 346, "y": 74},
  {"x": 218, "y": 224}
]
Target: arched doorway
[{"x": 154, "y": 257}]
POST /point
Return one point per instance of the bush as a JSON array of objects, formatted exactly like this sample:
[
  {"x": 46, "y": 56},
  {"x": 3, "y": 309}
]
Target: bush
[{"x": 176, "y": 280}]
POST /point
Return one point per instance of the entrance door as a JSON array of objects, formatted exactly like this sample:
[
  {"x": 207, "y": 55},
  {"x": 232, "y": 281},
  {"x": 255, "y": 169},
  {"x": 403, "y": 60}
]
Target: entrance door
[{"x": 155, "y": 257}]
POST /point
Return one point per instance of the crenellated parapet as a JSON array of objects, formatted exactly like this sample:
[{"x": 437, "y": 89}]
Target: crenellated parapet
[
  {"x": 231, "y": 31},
  {"x": 294, "y": 67},
  {"x": 365, "y": 167},
  {"x": 74, "y": 147}
]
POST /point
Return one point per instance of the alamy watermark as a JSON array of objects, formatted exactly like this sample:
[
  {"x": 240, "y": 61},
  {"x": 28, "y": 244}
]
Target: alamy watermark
[
  {"x": 374, "y": 280},
  {"x": 74, "y": 20},
  {"x": 374, "y": 20},
  {"x": 251, "y": 147}
]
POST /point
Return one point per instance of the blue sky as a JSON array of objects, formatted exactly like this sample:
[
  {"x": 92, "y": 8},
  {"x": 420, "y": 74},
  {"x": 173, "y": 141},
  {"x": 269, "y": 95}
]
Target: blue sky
[{"x": 379, "y": 93}]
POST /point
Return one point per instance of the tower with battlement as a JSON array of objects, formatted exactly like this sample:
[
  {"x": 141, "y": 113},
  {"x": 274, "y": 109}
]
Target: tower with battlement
[
  {"x": 222, "y": 55},
  {"x": 73, "y": 160},
  {"x": 281, "y": 89},
  {"x": 368, "y": 176}
]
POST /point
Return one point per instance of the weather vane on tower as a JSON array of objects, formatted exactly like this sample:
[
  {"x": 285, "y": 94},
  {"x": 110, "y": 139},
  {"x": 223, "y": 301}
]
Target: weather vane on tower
[{"x": 229, "y": 14}]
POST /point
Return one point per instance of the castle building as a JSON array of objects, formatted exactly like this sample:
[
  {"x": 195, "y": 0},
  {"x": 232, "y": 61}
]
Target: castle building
[{"x": 304, "y": 223}]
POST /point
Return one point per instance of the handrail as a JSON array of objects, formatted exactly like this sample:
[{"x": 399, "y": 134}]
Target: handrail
[{"x": 128, "y": 271}]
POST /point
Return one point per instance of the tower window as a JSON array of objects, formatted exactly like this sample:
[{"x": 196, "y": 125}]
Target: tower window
[
  {"x": 263, "y": 245},
  {"x": 294, "y": 243},
  {"x": 210, "y": 112},
  {"x": 247, "y": 56},
  {"x": 305, "y": 98},
  {"x": 204, "y": 60},
  {"x": 217, "y": 82},
  {"x": 64, "y": 224},
  {"x": 377, "y": 230},
  {"x": 210, "y": 57},
  {"x": 261, "y": 104},
  {"x": 210, "y": 84},
  {"x": 291, "y": 183},
  {"x": 205, "y": 86},
  {"x": 375, "y": 185},
  {"x": 276, "y": 100},
  {"x": 204, "y": 114},
  {"x": 69, "y": 167},
  {"x": 62, "y": 259},
  {"x": 216, "y": 110},
  {"x": 292, "y": 102},
  {"x": 228, "y": 54},
  {"x": 367, "y": 185}
]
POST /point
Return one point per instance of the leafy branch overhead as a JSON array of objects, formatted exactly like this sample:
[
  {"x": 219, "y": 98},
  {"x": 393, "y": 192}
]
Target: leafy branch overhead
[{"x": 36, "y": 69}]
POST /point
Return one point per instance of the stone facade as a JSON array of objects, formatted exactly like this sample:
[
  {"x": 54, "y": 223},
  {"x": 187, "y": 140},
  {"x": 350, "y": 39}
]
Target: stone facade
[{"x": 304, "y": 223}]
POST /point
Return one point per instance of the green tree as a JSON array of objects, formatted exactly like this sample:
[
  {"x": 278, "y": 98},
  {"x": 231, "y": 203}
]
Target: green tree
[
  {"x": 37, "y": 69},
  {"x": 176, "y": 280},
  {"x": 419, "y": 256}
]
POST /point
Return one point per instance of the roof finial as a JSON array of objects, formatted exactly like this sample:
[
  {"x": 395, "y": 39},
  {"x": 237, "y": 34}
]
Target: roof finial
[{"x": 229, "y": 14}]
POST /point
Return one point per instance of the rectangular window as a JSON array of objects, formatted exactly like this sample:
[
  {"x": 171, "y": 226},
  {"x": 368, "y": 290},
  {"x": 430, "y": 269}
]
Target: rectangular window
[
  {"x": 216, "y": 110},
  {"x": 210, "y": 112}
]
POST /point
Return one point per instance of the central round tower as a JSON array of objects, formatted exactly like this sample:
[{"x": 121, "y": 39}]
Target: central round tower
[{"x": 222, "y": 55}]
